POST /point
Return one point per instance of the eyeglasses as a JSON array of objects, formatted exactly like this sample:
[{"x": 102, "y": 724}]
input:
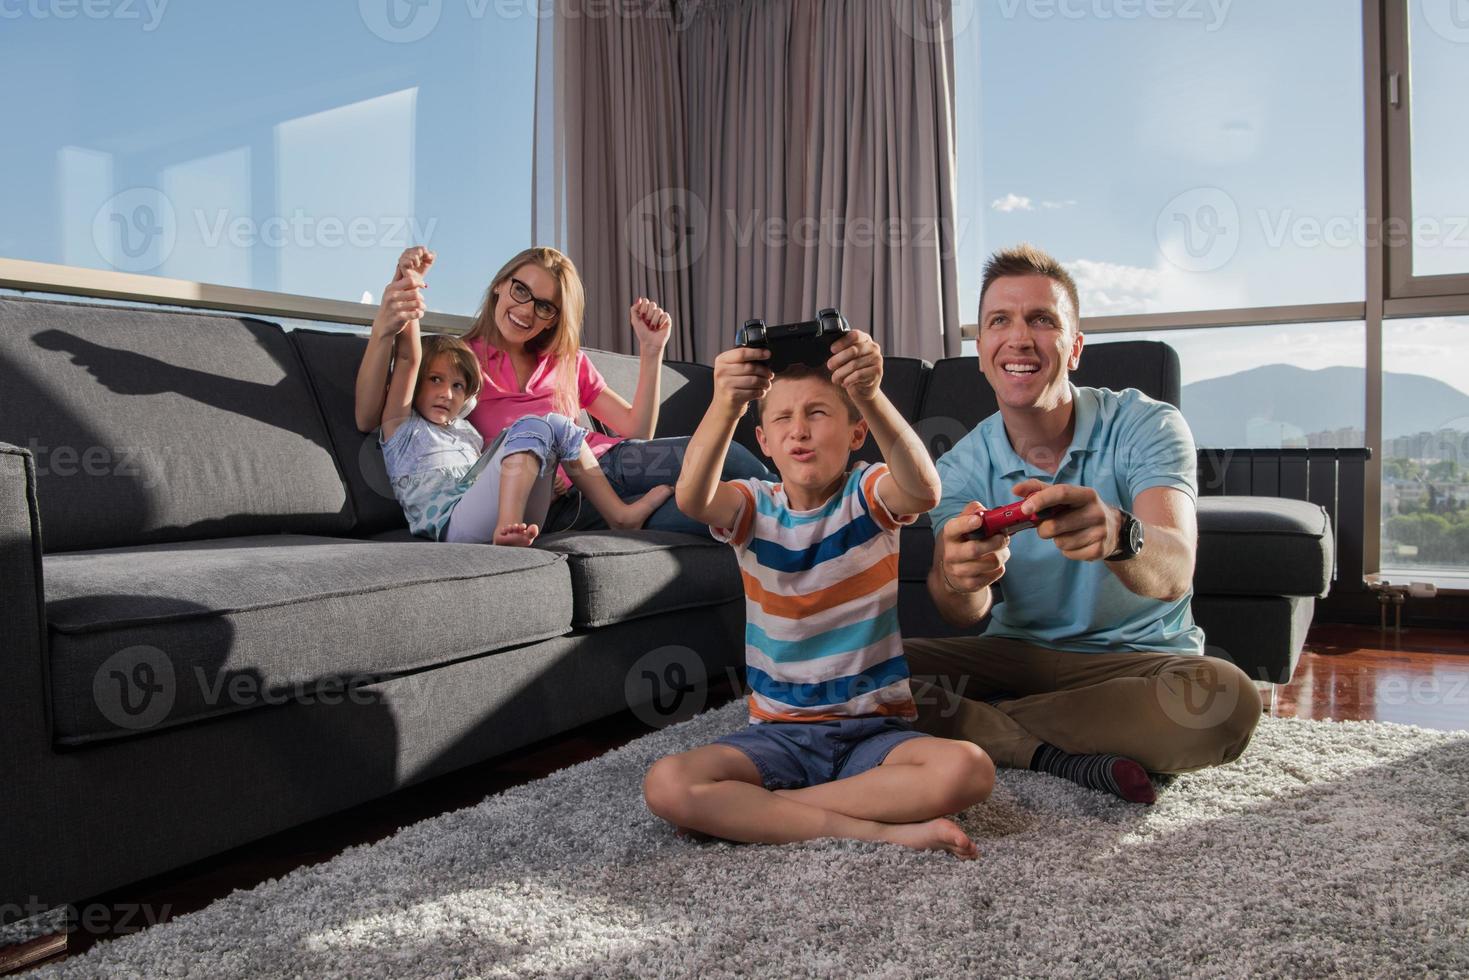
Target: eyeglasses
[{"x": 521, "y": 293}]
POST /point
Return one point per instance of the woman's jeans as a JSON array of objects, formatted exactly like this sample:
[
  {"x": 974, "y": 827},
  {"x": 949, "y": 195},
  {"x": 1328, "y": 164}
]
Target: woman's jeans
[
  {"x": 635, "y": 466},
  {"x": 550, "y": 439}
]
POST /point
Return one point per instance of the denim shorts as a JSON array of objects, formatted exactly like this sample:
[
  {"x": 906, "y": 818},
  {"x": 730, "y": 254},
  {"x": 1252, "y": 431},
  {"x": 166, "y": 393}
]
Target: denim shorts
[{"x": 790, "y": 755}]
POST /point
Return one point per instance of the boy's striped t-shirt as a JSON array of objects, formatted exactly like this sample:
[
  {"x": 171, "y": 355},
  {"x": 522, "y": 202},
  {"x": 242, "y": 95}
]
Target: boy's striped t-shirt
[{"x": 821, "y": 603}]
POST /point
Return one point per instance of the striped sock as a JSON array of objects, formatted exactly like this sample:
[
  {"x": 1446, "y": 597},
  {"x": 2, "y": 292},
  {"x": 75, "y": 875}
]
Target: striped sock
[{"x": 1113, "y": 774}]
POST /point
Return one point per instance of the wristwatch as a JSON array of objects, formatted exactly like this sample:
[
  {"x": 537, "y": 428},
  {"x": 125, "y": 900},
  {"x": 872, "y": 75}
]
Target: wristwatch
[{"x": 1129, "y": 539}]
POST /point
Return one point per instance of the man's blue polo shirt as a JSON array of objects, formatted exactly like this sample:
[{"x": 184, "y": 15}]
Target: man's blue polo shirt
[{"x": 1124, "y": 443}]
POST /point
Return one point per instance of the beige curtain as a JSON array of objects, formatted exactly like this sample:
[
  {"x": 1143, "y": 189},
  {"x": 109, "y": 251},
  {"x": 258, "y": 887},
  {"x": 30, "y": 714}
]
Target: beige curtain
[
  {"x": 609, "y": 156},
  {"x": 741, "y": 158}
]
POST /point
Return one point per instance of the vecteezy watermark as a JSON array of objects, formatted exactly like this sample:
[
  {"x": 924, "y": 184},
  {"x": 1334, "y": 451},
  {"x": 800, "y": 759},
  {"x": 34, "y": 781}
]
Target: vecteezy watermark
[
  {"x": 1449, "y": 690},
  {"x": 1449, "y": 19},
  {"x": 140, "y": 464},
  {"x": 667, "y": 230},
  {"x": 1199, "y": 230},
  {"x": 1205, "y": 697},
  {"x": 939, "y": 433},
  {"x": 666, "y": 685},
  {"x": 400, "y": 21},
  {"x": 1359, "y": 231},
  {"x": 93, "y": 918},
  {"x": 305, "y": 230},
  {"x": 931, "y": 21},
  {"x": 832, "y": 229},
  {"x": 148, "y": 13},
  {"x": 1210, "y": 13},
  {"x": 670, "y": 228},
  {"x": 140, "y": 687},
  {"x": 135, "y": 688},
  {"x": 138, "y": 229},
  {"x": 135, "y": 230},
  {"x": 405, "y": 21}
]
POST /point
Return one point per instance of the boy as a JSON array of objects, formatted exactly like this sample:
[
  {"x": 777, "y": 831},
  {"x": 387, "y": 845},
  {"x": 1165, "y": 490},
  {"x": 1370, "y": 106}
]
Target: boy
[{"x": 830, "y": 751}]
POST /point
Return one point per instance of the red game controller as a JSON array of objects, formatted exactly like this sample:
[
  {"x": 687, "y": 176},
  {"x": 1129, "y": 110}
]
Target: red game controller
[{"x": 1009, "y": 519}]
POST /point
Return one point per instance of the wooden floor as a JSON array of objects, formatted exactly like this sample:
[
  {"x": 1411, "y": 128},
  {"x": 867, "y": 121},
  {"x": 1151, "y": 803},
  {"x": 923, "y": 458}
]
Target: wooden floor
[{"x": 1417, "y": 677}]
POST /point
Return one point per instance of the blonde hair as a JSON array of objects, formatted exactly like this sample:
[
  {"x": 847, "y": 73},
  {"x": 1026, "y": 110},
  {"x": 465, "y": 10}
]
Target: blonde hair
[
  {"x": 441, "y": 343},
  {"x": 561, "y": 340}
]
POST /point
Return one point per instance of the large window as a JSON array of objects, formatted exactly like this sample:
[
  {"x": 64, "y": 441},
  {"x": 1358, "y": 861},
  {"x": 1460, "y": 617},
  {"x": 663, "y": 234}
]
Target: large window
[
  {"x": 1204, "y": 165},
  {"x": 282, "y": 146},
  {"x": 1439, "y": 69},
  {"x": 1291, "y": 386},
  {"x": 1425, "y": 446},
  {"x": 1177, "y": 156}
]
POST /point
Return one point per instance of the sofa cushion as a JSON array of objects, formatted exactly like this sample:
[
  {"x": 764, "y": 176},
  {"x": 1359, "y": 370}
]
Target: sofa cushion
[
  {"x": 621, "y": 575},
  {"x": 152, "y": 426},
  {"x": 1263, "y": 546},
  {"x": 331, "y": 361},
  {"x": 148, "y": 637}
]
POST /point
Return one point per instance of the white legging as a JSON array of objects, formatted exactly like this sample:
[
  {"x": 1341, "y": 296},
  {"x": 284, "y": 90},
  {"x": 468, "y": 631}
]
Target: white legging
[{"x": 550, "y": 438}]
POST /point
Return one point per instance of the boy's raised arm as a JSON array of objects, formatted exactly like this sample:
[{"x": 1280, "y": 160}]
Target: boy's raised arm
[
  {"x": 856, "y": 364},
  {"x": 739, "y": 378}
]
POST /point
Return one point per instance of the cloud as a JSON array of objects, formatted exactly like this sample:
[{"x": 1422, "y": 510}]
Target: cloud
[
  {"x": 1109, "y": 289},
  {"x": 1057, "y": 205},
  {"x": 1012, "y": 202}
]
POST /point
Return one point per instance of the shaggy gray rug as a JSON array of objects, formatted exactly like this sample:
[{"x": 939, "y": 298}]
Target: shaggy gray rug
[{"x": 1329, "y": 849}]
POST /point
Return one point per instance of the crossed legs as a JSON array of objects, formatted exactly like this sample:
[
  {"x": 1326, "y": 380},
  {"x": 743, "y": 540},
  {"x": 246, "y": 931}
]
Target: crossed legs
[
  {"x": 717, "y": 790},
  {"x": 1171, "y": 714}
]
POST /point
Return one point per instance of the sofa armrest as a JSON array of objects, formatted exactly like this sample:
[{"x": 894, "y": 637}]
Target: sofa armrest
[
  {"x": 22, "y": 606},
  {"x": 28, "y": 805},
  {"x": 24, "y": 698}
]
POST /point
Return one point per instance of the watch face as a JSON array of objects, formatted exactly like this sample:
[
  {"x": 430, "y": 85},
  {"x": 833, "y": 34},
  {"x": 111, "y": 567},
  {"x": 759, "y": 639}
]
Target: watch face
[{"x": 1135, "y": 535}]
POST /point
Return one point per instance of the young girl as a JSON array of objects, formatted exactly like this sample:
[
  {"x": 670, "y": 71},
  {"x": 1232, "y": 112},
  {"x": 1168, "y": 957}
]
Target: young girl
[
  {"x": 451, "y": 490},
  {"x": 527, "y": 340}
]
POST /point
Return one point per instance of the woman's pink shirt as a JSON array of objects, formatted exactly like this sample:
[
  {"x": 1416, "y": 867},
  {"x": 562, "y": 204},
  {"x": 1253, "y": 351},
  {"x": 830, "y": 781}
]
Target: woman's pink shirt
[{"x": 502, "y": 401}]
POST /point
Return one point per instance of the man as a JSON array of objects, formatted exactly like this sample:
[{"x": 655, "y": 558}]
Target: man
[{"x": 1091, "y": 667}]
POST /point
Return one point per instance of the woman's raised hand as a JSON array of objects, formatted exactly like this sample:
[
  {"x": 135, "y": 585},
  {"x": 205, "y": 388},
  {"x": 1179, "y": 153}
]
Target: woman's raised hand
[{"x": 651, "y": 324}]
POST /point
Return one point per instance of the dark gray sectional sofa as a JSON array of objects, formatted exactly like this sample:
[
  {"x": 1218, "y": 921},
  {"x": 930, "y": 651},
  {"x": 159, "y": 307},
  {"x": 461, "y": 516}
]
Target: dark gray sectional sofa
[{"x": 215, "y": 626}]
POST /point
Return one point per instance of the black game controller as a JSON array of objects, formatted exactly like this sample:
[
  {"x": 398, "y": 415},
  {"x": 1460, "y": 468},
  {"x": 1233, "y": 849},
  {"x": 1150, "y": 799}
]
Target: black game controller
[{"x": 808, "y": 342}]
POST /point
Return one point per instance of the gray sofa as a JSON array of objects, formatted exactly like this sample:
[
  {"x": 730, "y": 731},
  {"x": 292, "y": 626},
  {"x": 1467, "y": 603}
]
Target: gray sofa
[{"x": 215, "y": 626}]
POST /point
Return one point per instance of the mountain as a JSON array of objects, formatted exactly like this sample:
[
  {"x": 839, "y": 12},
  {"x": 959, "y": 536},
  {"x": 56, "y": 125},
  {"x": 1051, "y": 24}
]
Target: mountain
[{"x": 1259, "y": 406}]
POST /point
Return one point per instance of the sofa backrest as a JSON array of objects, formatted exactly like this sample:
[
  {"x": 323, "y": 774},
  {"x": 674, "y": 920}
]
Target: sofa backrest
[
  {"x": 151, "y": 425},
  {"x": 685, "y": 388},
  {"x": 331, "y": 361},
  {"x": 957, "y": 397}
]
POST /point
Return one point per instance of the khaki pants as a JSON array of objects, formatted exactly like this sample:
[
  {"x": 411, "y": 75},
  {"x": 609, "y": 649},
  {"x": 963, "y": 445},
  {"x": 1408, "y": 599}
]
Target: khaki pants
[{"x": 1171, "y": 714}]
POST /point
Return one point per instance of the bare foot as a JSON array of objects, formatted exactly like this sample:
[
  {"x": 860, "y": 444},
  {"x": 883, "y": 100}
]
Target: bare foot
[
  {"x": 636, "y": 514},
  {"x": 936, "y": 835},
  {"x": 517, "y": 535}
]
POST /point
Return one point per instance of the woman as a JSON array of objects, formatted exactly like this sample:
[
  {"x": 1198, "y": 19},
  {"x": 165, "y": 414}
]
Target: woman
[{"x": 527, "y": 337}]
